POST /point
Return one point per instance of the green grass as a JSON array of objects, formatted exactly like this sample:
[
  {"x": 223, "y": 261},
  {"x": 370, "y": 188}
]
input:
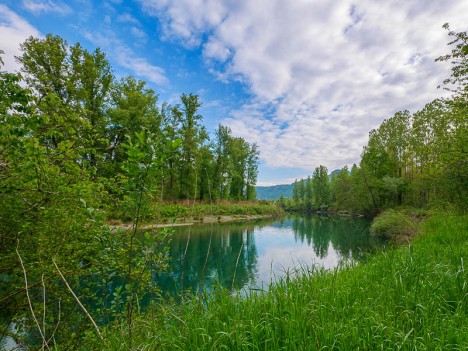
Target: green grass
[{"x": 414, "y": 297}]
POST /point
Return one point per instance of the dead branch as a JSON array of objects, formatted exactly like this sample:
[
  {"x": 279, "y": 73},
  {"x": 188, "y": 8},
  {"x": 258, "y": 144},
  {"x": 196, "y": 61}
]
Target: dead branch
[
  {"x": 78, "y": 301},
  {"x": 29, "y": 299}
]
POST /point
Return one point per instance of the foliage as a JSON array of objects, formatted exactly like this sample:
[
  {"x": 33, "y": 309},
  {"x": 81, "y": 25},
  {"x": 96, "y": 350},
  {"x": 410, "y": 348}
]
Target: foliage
[
  {"x": 80, "y": 102},
  {"x": 50, "y": 217},
  {"x": 459, "y": 60},
  {"x": 77, "y": 146},
  {"x": 394, "y": 225},
  {"x": 320, "y": 187}
]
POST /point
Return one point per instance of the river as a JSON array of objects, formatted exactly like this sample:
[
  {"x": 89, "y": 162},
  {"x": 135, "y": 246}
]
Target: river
[{"x": 251, "y": 255}]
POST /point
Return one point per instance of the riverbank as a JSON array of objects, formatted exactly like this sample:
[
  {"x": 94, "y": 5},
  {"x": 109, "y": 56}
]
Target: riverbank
[
  {"x": 189, "y": 221},
  {"x": 186, "y": 213},
  {"x": 411, "y": 297}
]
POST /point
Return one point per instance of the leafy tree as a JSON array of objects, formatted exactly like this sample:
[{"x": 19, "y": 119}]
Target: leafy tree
[
  {"x": 320, "y": 185},
  {"x": 44, "y": 221},
  {"x": 295, "y": 192},
  {"x": 142, "y": 170},
  {"x": 71, "y": 86},
  {"x": 92, "y": 78},
  {"x": 170, "y": 119},
  {"x": 458, "y": 81},
  {"x": 251, "y": 172},
  {"x": 308, "y": 194},
  {"x": 46, "y": 69},
  {"x": 342, "y": 188},
  {"x": 239, "y": 151},
  {"x": 133, "y": 108},
  {"x": 221, "y": 155},
  {"x": 192, "y": 135}
]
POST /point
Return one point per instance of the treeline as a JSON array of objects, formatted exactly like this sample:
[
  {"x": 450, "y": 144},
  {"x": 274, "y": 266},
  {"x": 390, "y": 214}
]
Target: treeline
[
  {"x": 80, "y": 106},
  {"x": 417, "y": 159}
]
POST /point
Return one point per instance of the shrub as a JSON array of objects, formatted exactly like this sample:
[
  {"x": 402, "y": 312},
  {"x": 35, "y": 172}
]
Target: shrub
[{"x": 394, "y": 225}]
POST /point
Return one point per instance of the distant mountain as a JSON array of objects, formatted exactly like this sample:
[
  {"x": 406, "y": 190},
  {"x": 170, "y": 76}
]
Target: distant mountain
[
  {"x": 336, "y": 171},
  {"x": 273, "y": 192}
]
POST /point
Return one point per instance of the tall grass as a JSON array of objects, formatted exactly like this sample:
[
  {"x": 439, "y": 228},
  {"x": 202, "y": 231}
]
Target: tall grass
[{"x": 410, "y": 298}]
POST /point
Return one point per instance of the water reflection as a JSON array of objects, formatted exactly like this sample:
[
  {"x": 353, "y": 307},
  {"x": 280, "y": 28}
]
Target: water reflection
[
  {"x": 214, "y": 253},
  {"x": 253, "y": 254}
]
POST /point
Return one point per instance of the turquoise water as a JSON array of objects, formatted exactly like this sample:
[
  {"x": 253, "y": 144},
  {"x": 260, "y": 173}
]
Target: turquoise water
[{"x": 253, "y": 254}]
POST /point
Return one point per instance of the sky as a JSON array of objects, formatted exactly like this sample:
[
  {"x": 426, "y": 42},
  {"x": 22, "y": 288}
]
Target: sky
[{"x": 304, "y": 79}]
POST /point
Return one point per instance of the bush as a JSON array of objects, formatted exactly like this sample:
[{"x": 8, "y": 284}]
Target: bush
[{"x": 394, "y": 225}]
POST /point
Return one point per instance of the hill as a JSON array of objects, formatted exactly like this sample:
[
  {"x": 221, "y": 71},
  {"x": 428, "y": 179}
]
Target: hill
[{"x": 273, "y": 192}]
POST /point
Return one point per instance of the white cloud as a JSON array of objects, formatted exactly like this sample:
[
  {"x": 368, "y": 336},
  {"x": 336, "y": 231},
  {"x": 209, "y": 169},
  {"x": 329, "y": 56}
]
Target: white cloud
[
  {"x": 322, "y": 73},
  {"x": 128, "y": 18},
  {"x": 126, "y": 57},
  {"x": 46, "y": 6},
  {"x": 141, "y": 68},
  {"x": 186, "y": 19},
  {"x": 14, "y": 30},
  {"x": 138, "y": 33}
]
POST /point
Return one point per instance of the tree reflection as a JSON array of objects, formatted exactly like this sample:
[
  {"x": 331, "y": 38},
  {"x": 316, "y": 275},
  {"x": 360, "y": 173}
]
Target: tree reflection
[
  {"x": 212, "y": 253},
  {"x": 213, "y": 250},
  {"x": 349, "y": 236}
]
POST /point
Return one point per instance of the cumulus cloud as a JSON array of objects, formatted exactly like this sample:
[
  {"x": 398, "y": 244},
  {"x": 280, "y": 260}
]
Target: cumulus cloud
[
  {"x": 46, "y": 6},
  {"x": 321, "y": 73},
  {"x": 14, "y": 30},
  {"x": 186, "y": 19},
  {"x": 142, "y": 68}
]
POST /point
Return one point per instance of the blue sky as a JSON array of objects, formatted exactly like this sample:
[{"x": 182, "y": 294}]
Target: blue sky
[{"x": 305, "y": 79}]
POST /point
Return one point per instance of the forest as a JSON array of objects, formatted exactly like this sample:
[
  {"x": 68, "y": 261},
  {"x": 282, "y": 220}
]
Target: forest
[{"x": 79, "y": 147}]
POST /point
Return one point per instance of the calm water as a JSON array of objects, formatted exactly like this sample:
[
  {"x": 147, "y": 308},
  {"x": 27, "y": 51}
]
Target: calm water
[{"x": 253, "y": 254}]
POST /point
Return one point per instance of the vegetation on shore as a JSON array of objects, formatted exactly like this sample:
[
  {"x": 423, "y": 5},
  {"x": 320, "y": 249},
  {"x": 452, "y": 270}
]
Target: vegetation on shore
[
  {"x": 168, "y": 212},
  {"x": 414, "y": 297}
]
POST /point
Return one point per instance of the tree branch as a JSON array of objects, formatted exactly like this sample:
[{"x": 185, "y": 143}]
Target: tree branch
[
  {"x": 78, "y": 301},
  {"x": 29, "y": 299}
]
